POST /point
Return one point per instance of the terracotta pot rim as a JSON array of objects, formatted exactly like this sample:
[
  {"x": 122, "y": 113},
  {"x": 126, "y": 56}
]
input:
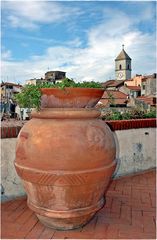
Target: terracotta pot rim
[
  {"x": 70, "y": 97},
  {"x": 63, "y": 109},
  {"x": 73, "y": 88},
  {"x": 70, "y": 90}
]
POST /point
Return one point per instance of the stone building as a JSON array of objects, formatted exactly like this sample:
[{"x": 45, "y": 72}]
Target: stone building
[
  {"x": 149, "y": 85},
  {"x": 50, "y": 76},
  {"x": 123, "y": 66},
  {"x": 135, "y": 81},
  {"x": 140, "y": 88},
  {"x": 34, "y": 81},
  {"x": 54, "y": 76},
  {"x": 131, "y": 91}
]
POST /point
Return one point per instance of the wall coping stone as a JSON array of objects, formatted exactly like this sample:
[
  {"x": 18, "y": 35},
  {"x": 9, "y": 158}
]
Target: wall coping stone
[
  {"x": 12, "y": 132},
  {"x": 131, "y": 124}
]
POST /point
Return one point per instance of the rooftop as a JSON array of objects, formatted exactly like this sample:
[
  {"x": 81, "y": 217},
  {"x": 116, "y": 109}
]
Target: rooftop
[
  {"x": 118, "y": 97},
  {"x": 55, "y": 72},
  {"x": 113, "y": 83},
  {"x": 10, "y": 84},
  {"x": 115, "y": 94},
  {"x": 123, "y": 55},
  {"x": 152, "y": 76},
  {"x": 129, "y": 213},
  {"x": 134, "y": 88},
  {"x": 148, "y": 99}
]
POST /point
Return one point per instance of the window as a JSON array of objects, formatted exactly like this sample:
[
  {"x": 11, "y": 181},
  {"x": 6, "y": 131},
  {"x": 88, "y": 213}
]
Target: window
[
  {"x": 120, "y": 66},
  {"x": 144, "y": 87},
  {"x": 128, "y": 66},
  {"x": 9, "y": 87},
  {"x": 138, "y": 94}
]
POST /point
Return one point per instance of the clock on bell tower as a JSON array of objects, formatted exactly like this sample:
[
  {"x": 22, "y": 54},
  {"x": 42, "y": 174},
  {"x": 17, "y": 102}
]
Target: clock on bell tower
[{"x": 123, "y": 66}]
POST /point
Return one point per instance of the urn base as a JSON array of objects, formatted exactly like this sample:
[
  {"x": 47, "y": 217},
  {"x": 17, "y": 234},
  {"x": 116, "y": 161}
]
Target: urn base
[
  {"x": 67, "y": 220},
  {"x": 65, "y": 224}
]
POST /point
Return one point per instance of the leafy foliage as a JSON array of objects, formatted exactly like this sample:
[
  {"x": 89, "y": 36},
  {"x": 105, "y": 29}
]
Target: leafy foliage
[
  {"x": 29, "y": 97},
  {"x": 71, "y": 83},
  {"x": 135, "y": 113},
  {"x": 31, "y": 94},
  {"x": 150, "y": 114}
]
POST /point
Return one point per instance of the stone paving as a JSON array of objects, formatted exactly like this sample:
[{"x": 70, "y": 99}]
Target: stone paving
[{"x": 129, "y": 213}]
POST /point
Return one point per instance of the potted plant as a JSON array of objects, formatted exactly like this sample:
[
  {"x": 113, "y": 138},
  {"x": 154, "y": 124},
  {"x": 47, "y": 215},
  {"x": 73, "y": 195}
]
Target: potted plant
[
  {"x": 64, "y": 94},
  {"x": 65, "y": 155}
]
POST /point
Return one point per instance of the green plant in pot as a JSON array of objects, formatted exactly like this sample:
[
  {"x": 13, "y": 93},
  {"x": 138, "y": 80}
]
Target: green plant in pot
[
  {"x": 39, "y": 96},
  {"x": 65, "y": 154}
]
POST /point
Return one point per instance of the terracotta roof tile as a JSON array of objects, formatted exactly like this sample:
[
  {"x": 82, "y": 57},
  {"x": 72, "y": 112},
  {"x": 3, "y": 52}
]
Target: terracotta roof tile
[
  {"x": 119, "y": 97},
  {"x": 10, "y": 84},
  {"x": 115, "y": 94},
  {"x": 135, "y": 88},
  {"x": 106, "y": 102},
  {"x": 148, "y": 99},
  {"x": 107, "y": 83},
  {"x": 113, "y": 83}
]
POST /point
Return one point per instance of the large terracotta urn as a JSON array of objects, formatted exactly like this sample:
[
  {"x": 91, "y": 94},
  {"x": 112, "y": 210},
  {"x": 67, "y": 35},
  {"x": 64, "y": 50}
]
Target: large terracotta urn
[{"x": 65, "y": 156}]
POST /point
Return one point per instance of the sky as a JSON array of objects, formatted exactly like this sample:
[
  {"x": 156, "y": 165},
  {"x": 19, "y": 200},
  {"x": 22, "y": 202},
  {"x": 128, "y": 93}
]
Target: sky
[{"x": 82, "y": 38}]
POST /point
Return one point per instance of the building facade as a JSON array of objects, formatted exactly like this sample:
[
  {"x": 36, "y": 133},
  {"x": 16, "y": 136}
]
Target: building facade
[
  {"x": 8, "y": 90},
  {"x": 150, "y": 85},
  {"x": 135, "y": 81},
  {"x": 50, "y": 76},
  {"x": 34, "y": 81},
  {"x": 147, "y": 83}
]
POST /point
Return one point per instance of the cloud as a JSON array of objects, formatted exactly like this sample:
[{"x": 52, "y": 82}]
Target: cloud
[
  {"x": 6, "y": 54},
  {"x": 16, "y": 22},
  {"x": 30, "y": 14},
  {"x": 96, "y": 60}
]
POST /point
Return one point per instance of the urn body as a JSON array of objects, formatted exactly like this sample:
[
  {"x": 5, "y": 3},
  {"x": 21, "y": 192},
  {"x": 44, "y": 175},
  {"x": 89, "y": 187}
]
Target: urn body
[{"x": 65, "y": 158}]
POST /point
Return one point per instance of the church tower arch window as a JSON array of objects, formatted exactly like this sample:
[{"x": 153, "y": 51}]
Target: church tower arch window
[{"x": 120, "y": 67}]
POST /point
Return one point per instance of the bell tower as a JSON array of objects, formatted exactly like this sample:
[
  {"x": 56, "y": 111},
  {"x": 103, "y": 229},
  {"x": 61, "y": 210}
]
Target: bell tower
[{"x": 123, "y": 66}]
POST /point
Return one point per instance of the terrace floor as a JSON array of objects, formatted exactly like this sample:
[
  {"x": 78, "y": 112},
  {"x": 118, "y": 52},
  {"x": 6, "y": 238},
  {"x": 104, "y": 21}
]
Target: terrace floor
[{"x": 129, "y": 213}]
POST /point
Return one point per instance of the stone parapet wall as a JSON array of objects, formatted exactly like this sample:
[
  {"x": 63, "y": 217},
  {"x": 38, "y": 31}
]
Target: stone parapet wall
[
  {"x": 10, "y": 182},
  {"x": 135, "y": 143},
  {"x": 12, "y": 132},
  {"x": 135, "y": 149}
]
